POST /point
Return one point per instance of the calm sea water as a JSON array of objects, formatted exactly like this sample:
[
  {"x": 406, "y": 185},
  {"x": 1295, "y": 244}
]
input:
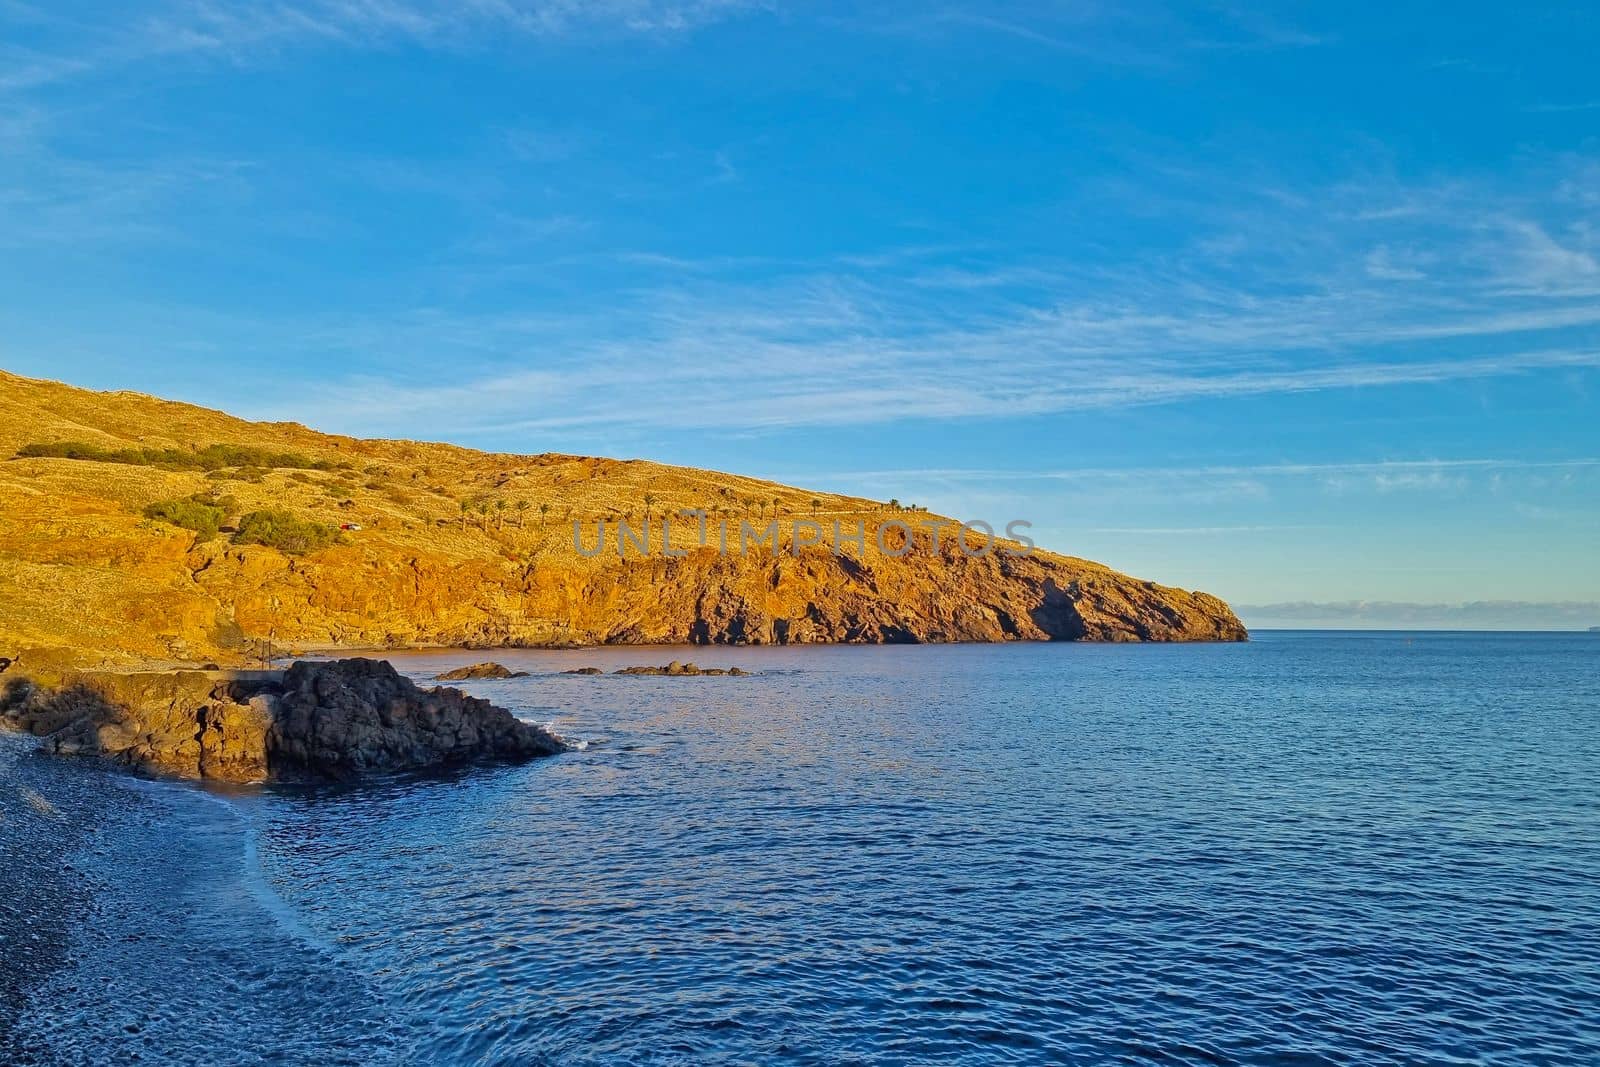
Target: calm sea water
[{"x": 1313, "y": 848}]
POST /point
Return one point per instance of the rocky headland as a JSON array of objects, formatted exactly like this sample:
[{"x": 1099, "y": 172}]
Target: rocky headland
[
  {"x": 136, "y": 531},
  {"x": 314, "y": 721}
]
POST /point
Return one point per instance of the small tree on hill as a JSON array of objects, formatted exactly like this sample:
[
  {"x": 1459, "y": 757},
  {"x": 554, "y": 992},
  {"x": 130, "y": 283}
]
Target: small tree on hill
[
  {"x": 199, "y": 514},
  {"x": 284, "y": 531}
]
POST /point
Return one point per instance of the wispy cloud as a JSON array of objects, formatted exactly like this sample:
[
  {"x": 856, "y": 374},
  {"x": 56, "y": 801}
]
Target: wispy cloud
[
  {"x": 1260, "y": 285},
  {"x": 1146, "y": 36},
  {"x": 1244, "y": 27},
  {"x": 739, "y": 344},
  {"x": 1385, "y": 264},
  {"x": 1369, "y": 285},
  {"x": 725, "y": 170},
  {"x": 53, "y": 199},
  {"x": 1192, "y": 531},
  {"x": 1559, "y": 108},
  {"x": 1375, "y": 470},
  {"x": 1480, "y": 614},
  {"x": 1540, "y": 261},
  {"x": 541, "y": 145},
  {"x": 744, "y": 374},
  {"x": 242, "y": 31}
]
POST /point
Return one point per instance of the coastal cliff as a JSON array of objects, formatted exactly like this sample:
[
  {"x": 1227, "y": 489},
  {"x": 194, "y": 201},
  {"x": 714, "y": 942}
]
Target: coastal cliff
[
  {"x": 334, "y": 720},
  {"x": 134, "y": 529}
]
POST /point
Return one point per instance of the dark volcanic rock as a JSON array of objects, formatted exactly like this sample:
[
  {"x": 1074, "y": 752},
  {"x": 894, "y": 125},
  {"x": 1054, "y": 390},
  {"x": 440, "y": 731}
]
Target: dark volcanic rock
[
  {"x": 315, "y": 720},
  {"x": 363, "y": 715},
  {"x": 479, "y": 670},
  {"x": 584, "y": 670}
]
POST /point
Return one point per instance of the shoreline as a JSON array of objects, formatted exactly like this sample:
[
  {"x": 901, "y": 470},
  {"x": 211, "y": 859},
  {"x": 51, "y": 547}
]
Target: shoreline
[
  {"x": 322, "y": 652},
  {"x": 140, "y": 894},
  {"x": 40, "y": 827}
]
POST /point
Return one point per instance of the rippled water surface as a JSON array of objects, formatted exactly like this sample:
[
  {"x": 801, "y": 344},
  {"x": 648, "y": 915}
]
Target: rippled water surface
[{"x": 1314, "y": 848}]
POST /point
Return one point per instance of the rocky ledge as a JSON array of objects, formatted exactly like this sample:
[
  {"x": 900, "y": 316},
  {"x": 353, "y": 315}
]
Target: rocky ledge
[{"x": 334, "y": 720}]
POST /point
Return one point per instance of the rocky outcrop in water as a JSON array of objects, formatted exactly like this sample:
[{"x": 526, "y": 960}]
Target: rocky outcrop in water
[
  {"x": 479, "y": 671},
  {"x": 682, "y": 670},
  {"x": 334, "y": 720}
]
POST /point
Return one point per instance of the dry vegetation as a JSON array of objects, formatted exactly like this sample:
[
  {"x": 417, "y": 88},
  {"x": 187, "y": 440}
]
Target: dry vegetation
[{"x": 400, "y": 492}]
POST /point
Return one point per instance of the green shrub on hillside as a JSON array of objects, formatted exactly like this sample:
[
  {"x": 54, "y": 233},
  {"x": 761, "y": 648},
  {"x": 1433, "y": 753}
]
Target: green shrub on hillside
[
  {"x": 254, "y": 475},
  {"x": 285, "y": 531},
  {"x": 209, "y": 458},
  {"x": 202, "y": 515}
]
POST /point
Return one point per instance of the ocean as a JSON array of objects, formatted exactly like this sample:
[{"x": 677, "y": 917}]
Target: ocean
[{"x": 1314, "y": 848}]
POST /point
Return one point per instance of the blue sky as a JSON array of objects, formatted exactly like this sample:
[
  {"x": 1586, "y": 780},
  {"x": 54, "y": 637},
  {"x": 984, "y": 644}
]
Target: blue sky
[{"x": 1299, "y": 305}]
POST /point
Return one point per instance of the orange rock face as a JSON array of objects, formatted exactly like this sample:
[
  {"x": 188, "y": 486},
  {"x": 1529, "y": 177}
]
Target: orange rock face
[{"x": 465, "y": 548}]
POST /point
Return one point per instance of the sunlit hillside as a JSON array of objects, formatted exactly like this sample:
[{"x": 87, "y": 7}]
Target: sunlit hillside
[{"x": 137, "y": 528}]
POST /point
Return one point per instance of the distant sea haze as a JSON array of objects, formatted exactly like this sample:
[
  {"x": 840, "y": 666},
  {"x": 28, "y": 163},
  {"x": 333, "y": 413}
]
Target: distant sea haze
[{"x": 1473, "y": 615}]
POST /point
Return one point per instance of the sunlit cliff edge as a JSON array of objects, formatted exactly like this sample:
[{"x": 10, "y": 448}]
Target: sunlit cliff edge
[{"x": 458, "y": 547}]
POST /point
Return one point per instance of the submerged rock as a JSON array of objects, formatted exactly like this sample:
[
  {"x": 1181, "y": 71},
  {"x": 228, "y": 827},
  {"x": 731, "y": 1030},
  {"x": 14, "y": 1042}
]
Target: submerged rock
[
  {"x": 479, "y": 670},
  {"x": 332, "y": 720},
  {"x": 584, "y": 670}
]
